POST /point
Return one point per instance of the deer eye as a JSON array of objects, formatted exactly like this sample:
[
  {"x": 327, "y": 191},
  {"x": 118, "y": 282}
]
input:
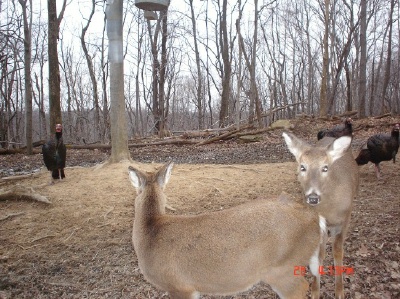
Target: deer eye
[
  {"x": 325, "y": 168},
  {"x": 302, "y": 168}
]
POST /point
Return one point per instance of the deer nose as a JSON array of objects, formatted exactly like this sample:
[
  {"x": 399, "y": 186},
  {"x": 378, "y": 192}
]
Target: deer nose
[{"x": 313, "y": 199}]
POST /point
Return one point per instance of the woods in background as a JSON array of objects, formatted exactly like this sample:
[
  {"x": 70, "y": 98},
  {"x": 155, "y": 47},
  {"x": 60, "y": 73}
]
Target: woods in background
[{"x": 204, "y": 64}]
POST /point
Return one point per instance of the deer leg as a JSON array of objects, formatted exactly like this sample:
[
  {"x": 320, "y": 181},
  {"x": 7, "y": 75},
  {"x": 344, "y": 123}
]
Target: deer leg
[
  {"x": 315, "y": 285},
  {"x": 338, "y": 259}
]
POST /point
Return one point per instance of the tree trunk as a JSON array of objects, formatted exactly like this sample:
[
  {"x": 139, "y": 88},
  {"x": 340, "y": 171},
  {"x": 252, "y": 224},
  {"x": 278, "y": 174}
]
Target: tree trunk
[
  {"x": 119, "y": 136},
  {"x": 155, "y": 75},
  {"x": 54, "y": 71},
  {"x": 251, "y": 65},
  {"x": 199, "y": 76},
  {"x": 239, "y": 71},
  {"x": 362, "y": 87},
  {"x": 104, "y": 66},
  {"x": 28, "y": 75},
  {"x": 89, "y": 62},
  {"x": 310, "y": 71},
  {"x": 325, "y": 66},
  {"x": 162, "y": 100},
  {"x": 226, "y": 76},
  {"x": 386, "y": 78},
  {"x": 349, "y": 102}
]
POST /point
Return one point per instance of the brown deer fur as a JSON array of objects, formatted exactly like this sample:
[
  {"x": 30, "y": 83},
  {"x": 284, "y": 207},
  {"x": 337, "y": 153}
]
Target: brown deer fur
[
  {"x": 223, "y": 252},
  {"x": 329, "y": 177}
]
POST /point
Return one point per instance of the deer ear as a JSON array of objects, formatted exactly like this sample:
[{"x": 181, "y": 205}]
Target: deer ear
[
  {"x": 164, "y": 174},
  {"x": 295, "y": 145},
  {"x": 339, "y": 147},
  {"x": 136, "y": 177}
]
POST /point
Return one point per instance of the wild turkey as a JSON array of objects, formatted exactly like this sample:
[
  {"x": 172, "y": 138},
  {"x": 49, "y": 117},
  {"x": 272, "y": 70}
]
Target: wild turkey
[
  {"x": 54, "y": 155},
  {"x": 380, "y": 147},
  {"x": 338, "y": 131}
]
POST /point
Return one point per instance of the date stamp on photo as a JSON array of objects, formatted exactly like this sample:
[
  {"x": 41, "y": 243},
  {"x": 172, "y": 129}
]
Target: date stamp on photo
[{"x": 325, "y": 270}]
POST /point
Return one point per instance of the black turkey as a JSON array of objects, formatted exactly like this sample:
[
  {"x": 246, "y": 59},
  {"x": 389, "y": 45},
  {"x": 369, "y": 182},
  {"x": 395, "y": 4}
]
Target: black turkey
[
  {"x": 338, "y": 131},
  {"x": 54, "y": 155},
  {"x": 380, "y": 147}
]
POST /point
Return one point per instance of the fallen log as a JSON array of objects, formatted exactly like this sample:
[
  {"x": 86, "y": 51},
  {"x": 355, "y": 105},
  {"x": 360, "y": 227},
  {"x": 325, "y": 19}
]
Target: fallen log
[
  {"x": 348, "y": 113},
  {"x": 383, "y": 116},
  {"x": 224, "y": 136},
  {"x": 98, "y": 146},
  {"x": 19, "y": 192}
]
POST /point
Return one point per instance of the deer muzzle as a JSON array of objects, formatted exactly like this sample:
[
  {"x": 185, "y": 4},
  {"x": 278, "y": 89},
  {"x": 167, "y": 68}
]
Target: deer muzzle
[{"x": 313, "y": 199}]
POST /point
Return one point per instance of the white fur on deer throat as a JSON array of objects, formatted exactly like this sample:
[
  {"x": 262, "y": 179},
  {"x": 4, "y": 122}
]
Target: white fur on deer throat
[
  {"x": 329, "y": 177},
  {"x": 314, "y": 260}
]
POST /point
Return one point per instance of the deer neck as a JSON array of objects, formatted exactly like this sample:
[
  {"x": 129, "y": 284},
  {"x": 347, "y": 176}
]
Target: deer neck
[{"x": 148, "y": 206}]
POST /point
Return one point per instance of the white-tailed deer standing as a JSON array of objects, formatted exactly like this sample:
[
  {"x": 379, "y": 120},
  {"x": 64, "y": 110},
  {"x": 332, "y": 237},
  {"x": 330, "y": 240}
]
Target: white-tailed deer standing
[
  {"x": 329, "y": 177},
  {"x": 223, "y": 252}
]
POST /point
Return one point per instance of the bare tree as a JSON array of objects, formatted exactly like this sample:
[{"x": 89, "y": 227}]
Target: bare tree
[
  {"x": 104, "y": 76},
  {"x": 251, "y": 66},
  {"x": 325, "y": 64},
  {"x": 386, "y": 78},
  {"x": 54, "y": 71},
  {"x": 160, "y": 101},
  {"x": 163, "y": 100},
  {"x": 28, "y": 76},
  {"x": 40, "y": 58},
  {"x": 199, "y": 87},
  {"x": 92, "y": 74},
  {"x": 227, "y": 69},
  {"x": 362, "y": 84},
  {"x": 10, "y": 53},
  {"x": 239, "y": 71},
  {"x": 342, "y": 56},
  {"x": 155, "y": 108}
]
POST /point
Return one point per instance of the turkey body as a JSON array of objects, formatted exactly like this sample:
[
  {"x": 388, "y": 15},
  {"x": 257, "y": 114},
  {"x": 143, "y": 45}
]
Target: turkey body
[
  {"x": 380, "y": 147},
  {"x": 54, "y": 156},
  {"x": 338, "y": 131}
]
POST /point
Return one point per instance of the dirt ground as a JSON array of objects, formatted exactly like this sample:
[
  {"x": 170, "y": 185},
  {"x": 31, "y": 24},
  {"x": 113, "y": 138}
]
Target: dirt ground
[{"x": 79, "y": 245}]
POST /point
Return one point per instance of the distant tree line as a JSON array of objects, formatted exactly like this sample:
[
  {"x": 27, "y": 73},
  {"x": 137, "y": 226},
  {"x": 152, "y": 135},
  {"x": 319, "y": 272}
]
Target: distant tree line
[{"x": 198, "y": 65}]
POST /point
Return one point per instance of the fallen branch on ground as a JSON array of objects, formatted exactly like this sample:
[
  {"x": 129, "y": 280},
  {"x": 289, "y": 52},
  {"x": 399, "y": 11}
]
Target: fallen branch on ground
[
  {"x": 20, "y": 192},
  {"x": 224, "y": 136},
  {"x": 11, "y": 216}
]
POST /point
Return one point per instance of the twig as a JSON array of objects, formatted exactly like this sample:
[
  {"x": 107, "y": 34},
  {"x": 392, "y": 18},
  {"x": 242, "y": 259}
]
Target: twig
[
  {"x": 102, "y": 225},
  {"x": 108, "y": 212},
  {"x": 65, "y": 240},
  {"x": 25, "y": 248},
  {"x": 41, "y": 238},
  {"x": 383, "y": 116},
  {"x": 19, "y": 177},
  {"x": 63, "y": 284},
  {"x": 12, "y": 215}
]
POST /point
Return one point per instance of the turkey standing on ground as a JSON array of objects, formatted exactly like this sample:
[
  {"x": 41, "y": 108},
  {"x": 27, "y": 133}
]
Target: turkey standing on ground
[
  {"x": 338, "y": 131},
  {"x": 54, "y": 155},
  {"x": 380, "y": 147}
]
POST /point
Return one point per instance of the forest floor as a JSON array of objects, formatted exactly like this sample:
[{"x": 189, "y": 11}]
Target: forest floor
[{"x": 79, "y": 245}]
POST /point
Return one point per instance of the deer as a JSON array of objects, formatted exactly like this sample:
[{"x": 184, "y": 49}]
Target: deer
[
  {"x": 223, "y": 252},
  {"x": 329, "y": 177}
]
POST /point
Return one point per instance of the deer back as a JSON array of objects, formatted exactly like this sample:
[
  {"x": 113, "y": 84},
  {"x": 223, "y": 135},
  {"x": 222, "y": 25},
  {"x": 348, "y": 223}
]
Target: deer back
[{"x": 221, "y": 252}]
